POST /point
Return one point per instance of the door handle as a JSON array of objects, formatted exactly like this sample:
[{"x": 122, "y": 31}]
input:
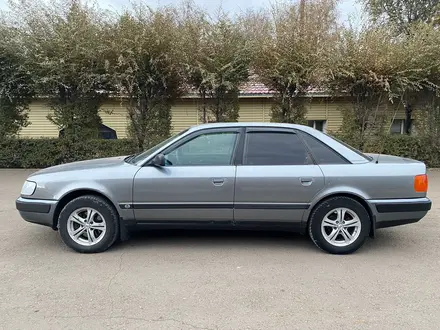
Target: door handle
[
  {"x": 306, "y": 181},
  {"x": 218, "y": 181}
]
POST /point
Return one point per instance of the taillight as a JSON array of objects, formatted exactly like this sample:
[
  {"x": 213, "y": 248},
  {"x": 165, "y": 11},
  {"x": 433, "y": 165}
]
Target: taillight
[{"x": 421, "y": 183}]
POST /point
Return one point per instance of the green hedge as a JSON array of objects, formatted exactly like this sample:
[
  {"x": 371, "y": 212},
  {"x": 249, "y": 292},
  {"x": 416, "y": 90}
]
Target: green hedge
[
  {"x": 41, "y": 153},
  {"x": 419, "y": 148}
]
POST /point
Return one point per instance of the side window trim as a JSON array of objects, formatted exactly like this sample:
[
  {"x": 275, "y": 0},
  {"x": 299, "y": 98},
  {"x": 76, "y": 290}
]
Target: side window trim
[
  {"x": 249, "y": 130},
  {"x": 301, "y": 134},
  {"x": 196, "y": 134},
  {"x": 239, "y": 147}
]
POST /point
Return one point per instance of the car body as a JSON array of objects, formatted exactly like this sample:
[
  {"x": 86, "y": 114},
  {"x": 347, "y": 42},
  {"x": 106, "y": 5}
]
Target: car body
[{"x": 231, "y": 175}]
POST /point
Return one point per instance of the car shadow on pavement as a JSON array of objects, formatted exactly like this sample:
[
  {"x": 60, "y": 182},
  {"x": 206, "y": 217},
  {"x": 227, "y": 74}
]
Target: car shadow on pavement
[
  {"x": 390, "y": 239},
  {"x": 216, "y": 239},
  {"x": 386, "y": 240}
]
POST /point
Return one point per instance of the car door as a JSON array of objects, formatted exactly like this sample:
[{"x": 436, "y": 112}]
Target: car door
[
  {"x": 195, "y": 185},
  {"x": 276, "y": 180}
]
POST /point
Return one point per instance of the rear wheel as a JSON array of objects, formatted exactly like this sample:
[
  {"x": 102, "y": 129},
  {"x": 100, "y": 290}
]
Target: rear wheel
[
  {"x": 339, "y": 225},
  {"x": 88, "y": 224}
]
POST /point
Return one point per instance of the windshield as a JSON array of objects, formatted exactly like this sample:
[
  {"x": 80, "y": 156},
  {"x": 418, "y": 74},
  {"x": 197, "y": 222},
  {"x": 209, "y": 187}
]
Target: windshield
[
  {"x": 144, "y": 155},
  {"x": 351, "y": 148}
]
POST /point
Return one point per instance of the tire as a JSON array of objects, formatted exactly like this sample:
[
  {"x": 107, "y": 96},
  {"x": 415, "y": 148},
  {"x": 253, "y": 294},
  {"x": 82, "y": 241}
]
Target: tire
[
  {"x": 332, "y": 236},
  {"x": 88, "y": 224}
]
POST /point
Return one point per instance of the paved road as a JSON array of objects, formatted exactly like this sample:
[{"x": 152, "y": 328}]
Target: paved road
[{"x": 217, "y": 280}]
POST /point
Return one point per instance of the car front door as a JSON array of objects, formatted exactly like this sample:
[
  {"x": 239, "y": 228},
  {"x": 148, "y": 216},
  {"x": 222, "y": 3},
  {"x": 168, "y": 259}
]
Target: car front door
[
  {"x": 276, "y": 180},
  {"x": 195, "y": 186}
]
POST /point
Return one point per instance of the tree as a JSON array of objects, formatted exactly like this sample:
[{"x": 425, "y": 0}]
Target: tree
[
  {"x": 292, "y": 54},
  {"x": 63, "y": 42},
  {"x": 146, "y": 69},
  {"x": 16, "y": 85},
  {"x": 403, "y": 15},
  {"x": 217, "y": 61},
  {"x": 377, "y": 68}
]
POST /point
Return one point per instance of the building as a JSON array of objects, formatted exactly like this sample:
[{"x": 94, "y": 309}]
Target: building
[{"x": 255, "y": 106}]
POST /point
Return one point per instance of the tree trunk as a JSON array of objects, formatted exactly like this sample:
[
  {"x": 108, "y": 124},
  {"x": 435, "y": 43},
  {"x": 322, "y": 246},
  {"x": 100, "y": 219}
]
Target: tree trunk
[
  {"x": 302, "y": 9},
  {"x": 408, "y": 112},
  {"x": 205, "y": 119}
]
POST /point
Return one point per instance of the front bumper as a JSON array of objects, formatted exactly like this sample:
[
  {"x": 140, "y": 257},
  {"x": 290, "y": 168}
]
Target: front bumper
[
  {"x": 37, "y": 210},
  {"x": 397, "y": 212}
]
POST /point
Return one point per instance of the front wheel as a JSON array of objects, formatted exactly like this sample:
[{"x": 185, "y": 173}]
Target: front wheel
[
  {"x": 88, "y": 224},
  {"x": 339, "y": 225}
]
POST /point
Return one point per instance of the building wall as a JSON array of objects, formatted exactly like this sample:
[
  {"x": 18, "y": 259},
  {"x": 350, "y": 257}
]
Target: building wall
[
  {"x": 39, "y": 124},
  {"x": 185, "y": 113}
]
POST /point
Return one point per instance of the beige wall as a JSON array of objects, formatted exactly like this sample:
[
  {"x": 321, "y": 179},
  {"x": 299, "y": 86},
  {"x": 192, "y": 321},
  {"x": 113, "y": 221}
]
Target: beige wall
[
  {"x": 39, "y": 124},
  {"x": 185, "y": 113}
]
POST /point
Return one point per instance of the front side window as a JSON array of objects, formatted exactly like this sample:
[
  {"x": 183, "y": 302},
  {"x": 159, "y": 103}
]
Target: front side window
[
  {"x": 138, "y": 158},
  {"x": 211, "y": 149},
  {"x": 275, "y": 148}
]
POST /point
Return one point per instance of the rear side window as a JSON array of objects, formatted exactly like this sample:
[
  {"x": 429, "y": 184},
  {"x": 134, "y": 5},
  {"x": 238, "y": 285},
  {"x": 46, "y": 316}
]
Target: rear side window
[
  {"x": 275, "y": 148},
  {"x": 322, "y": 153}
]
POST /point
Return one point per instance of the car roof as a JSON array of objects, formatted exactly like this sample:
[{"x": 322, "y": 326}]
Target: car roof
[
  {"x": 303, "y": 128},
  {"x": 348, "y": 153},
  {"x": 247, "y": 124}
]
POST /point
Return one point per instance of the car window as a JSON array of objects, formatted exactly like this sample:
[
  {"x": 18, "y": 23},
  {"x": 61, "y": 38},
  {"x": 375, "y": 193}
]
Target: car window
[
  {"x": 275, "y": 148},
  {"x": 351, "y": 148},
  {"x": 144, "y": 155},
  {"x": 206, "y": 149},
  {"x": 322, "y": 153}
]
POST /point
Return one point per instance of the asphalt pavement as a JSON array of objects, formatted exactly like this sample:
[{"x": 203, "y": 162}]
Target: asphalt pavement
[{"x": 217, "y": 280}]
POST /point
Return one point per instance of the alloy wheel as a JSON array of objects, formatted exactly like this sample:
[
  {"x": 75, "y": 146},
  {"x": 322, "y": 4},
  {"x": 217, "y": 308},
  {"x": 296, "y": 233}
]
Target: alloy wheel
[
  {"x": 341, "y": 227},
  {"x": 86, "y": 226}
]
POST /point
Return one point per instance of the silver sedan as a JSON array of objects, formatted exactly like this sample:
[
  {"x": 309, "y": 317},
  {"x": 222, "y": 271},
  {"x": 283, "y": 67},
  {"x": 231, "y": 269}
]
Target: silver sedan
[{"x": 231, "y": 176}]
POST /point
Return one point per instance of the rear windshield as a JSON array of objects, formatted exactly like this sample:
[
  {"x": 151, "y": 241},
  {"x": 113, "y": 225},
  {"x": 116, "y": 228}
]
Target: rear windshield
[{"x": 351, "y": 148}]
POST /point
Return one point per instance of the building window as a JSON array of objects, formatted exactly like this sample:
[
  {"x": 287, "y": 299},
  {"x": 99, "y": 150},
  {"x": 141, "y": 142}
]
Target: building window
[
  {"x": 397, "y": 126},
  {"x": 319, "y": 125},
  {"x": 105, "y": 132}
]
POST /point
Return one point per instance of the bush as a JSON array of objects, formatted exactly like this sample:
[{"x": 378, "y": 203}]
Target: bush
[
  {"x": 418, "y": 148},
  {"x": 41, "y": 153}
]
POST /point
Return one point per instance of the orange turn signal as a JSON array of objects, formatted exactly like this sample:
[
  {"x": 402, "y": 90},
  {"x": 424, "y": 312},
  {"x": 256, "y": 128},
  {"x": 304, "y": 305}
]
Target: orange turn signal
[{"x": 421, "y": 183}]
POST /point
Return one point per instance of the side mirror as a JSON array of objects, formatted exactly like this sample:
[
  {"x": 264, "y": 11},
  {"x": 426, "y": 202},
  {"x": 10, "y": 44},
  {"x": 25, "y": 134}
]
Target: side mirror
[{"x": 158, "y": 160}]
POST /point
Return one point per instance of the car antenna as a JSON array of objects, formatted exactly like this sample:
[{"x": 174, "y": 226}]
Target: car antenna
[{"x": 384, "y": 140}]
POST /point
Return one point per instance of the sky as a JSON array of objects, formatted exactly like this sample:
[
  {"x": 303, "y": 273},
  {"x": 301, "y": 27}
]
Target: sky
[{"x": 347, "y": 8}]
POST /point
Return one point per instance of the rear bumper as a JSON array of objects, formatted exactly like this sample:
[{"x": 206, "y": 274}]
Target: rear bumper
[
  {"x": 36, "y": 210},
  {"x": 397, "y": 212}
]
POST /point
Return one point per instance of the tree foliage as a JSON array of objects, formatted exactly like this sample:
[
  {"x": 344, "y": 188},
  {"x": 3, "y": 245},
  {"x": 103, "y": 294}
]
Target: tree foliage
[
  {"x": 76, "y": 55},
  {"x": 16, "y": 86},
  {"x": 292, "y": 55},
  {"x": 63, "y": 43},
  {"x": 382, "y": 71},
  {"x": 146, "y": 68},
  {"x": 217, "y": 62},
  {"x": 402, "y": 13},
  {"x": 403, "y": 16}
]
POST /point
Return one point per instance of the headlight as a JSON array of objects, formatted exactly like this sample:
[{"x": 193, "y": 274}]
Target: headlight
[{"x": 28, "y": 188}]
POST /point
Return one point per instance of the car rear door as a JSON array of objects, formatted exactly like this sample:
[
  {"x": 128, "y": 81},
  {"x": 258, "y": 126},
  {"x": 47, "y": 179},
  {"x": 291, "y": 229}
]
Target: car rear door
[
  {"x": 195, "y": 186},
  {"x": 276, "y": 179}
]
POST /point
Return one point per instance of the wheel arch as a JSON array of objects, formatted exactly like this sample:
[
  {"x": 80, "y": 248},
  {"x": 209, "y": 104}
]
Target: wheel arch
[
  {"x": 71, "y": 195},
  {"x": 354, "y": 196}
]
